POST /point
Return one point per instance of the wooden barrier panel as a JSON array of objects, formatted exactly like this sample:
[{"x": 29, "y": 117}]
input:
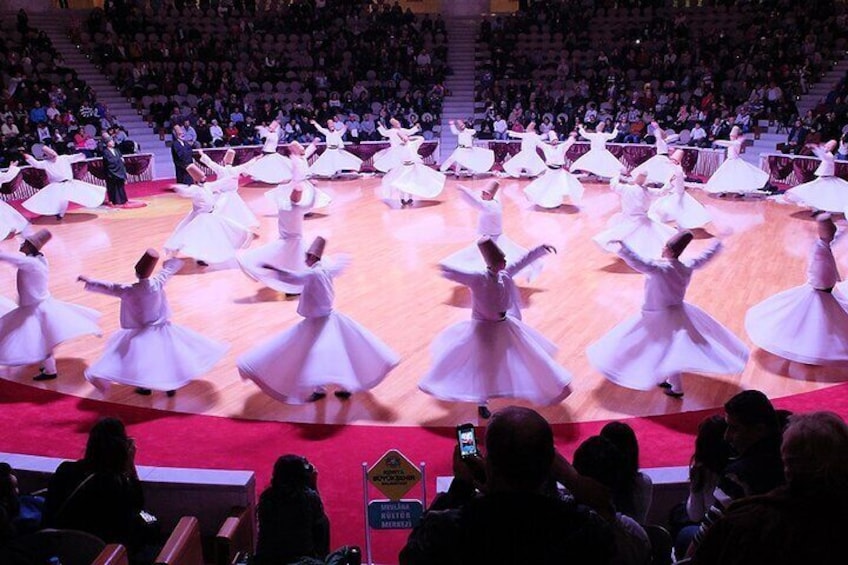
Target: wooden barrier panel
[
  {"x": 183, "y": 546},
  {"x": 112, "y": 554},
  {"x": 236, "y": 535}
]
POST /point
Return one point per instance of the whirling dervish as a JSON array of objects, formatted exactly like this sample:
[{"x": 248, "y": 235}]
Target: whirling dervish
[
  {"x": 335, "y": 159},
  {"x": 735, "y": 175},
  {"x": 62, "y": 187},
  {"x": 466, "y": 157},
  {"x": 552, "y": 188},
  {"x": 527, "y": 161},
  {"x": 598, "y": 160}
]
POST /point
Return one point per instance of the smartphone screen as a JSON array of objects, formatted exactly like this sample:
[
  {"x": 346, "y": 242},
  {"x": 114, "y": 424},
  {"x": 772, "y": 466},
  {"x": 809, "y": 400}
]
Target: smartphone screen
[{"x": 467, "y": 440}]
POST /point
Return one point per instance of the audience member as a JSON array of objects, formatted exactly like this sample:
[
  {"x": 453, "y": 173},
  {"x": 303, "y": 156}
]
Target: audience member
[
  {"x": 633, "y": 497},
  {"x": 292, "y": 522}
]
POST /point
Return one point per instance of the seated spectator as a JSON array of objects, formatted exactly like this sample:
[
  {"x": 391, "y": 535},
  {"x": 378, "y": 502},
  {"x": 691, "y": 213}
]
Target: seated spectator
[
  {"x": 754, "y": 434},
  {"x": 9, "y": 504},
  {"x": 513, "y": 519},
  {"x": 699, "y": 136},
  {"x": 10, "y": 130},
  {"x": 795, "y": 141},
  {"x": 217, "y": 134},
  {"x": 292, "y": 521},
  {"x": 802, "y": 522},
  {"x": 101, "y": 494},
  {"x": 633, "y": 498},
  {"x": 600, "y": 459}
]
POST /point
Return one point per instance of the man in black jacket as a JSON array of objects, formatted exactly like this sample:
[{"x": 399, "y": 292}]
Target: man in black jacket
[{"x": 116, "y": 173}]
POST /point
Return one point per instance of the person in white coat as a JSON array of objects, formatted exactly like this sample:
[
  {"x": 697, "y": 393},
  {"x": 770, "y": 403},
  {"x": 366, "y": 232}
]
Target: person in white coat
[
  {"x": 11, "y": 221},
  {"x": 205, "y": 234},
  {"x": 598, "y": 160},
  {"x": 490, "y": 225},
  {"x": 806, "y": 324},
  {"x": 149, "y": 352},
  {"x": 394, "y": 155},
  {"x": 286, "y": 253},
  {"x": 827, "y": 192},
  {"x": 552, "y": 188},
  {"x": 299, "y": 156},
  {"x": 475, "y": 160},
  {"x": 30, "y": 332},
  {"x": 675, "y": 204},
  {"x": 658, "y": 168},
  {"x": 334, "y": 159},
  {"x": 735, "y": 175},
  {"x": 527, "y": 161},
  {"x": 669, "y": 336},
  {"x": 412, "y": 177},
  {"x": 633, "y": 225},
  {"x": 325, "y": 348},
  {"x": 226, "y": 185},
  {"x": 271, "y": 167},
  {"x": 494, "y": 354},
  {"x": 62, "y": 187}
]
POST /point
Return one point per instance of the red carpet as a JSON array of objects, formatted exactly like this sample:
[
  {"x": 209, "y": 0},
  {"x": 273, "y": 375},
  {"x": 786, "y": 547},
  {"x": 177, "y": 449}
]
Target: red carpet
[{"x": 58, "y": 425}]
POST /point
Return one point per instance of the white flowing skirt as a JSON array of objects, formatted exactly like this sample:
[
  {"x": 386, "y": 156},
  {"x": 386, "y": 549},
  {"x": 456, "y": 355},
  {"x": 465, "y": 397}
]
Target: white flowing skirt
[
  {"x": 6, "y": 305},
  {"x": 320, "y": 199},
  {"x": 388, "y": 159},
  {"x": 801, "y": 324},
  {"x": 330, "y": 350},
  {"x": 53, "y": 199},
  {"x": 271, "y": 168},
  {"x": 682, "y": 208},
  {"x": 475, "y": 159},
  {"x": 332, "y": 161},
  {"x": 527, "y": 161},
  {"x": 416, "y": 179},
  {"x": 231, "y": 205},
  {"x": 209, "y": 237},
  {"x": 11, "y": 221},
  {"x": 658, "y": 168},
  {"x": 598, "y": 162},
  {"x": 469, "y": 260},
  {"x": 643, "y": 351},
  {"x": 645, "y": 236},
  {"x": 736, "y": 175},
  {"x": 288, "y": 254},
  {"x": 476, "y": 360},
  {"x": 28, "y": 334},
  {"x": 824, "y": 193},
  {"x": 161, "y": 357},
  {"x": 551, "y": 189}
]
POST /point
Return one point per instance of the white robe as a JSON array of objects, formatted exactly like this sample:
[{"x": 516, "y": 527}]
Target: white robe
[
  {"x": 149, "y": 351},
  {"x": 527, "y": 159},
  {"x": 678, "y": 206},
  {"x": 735, "y": 174},
  {"x": 334, "y": 159},
  {"x": 325, "y": 348},
  {"x": 300, "y": 178},
  {"x": 494, "y": 354},
  {"x": 30, "y": 332},
  {"x": 476, "y": 159},
  {"x": 598, "y": 160},
  {"x": 226, "y": 185},
  {"x": 11, "y": 221},
  {"x": 62, "y": 188},
  {"x": 412, "y": 177},
  {"x": 827, "y": 192},
  {"x": 658, "y": 168},
  {"x": 669, "y": 336},
  {"x": 556, "y": 184},
  {"x": 271, "y": 167},
  {"x": 393, "y": 156}
]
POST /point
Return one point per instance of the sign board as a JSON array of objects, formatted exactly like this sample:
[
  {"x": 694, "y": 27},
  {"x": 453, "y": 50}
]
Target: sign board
[
  {"x": 394, "y": 514},
  {"x": 394, "y": 475}
]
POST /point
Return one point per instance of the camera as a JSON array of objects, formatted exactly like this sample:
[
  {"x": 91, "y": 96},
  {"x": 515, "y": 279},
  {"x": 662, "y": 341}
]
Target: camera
[{"x": 467, "y": 440}]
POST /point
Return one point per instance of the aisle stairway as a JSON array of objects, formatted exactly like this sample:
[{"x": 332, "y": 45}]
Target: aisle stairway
[
  {"x": 460, "y": 104},
  {"x": 55, "y": 23}
]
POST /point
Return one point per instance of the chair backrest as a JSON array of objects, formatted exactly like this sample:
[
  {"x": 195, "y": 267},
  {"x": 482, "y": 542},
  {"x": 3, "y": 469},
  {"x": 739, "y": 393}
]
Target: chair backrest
[
  {"x": 234, "y": 536},
  {"x": 112, "y": 554},
  {"x": 661, "y": 544},
  {"x": 183, "y": 546},
  {"x": 72, "y": 547}
]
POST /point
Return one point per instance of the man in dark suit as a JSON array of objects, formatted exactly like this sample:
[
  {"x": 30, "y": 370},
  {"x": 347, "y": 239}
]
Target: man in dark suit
[
  {"x": 796, "y": 138},
  {"x": 116, "y": 173},
  {"x": 182, "y": 156}
]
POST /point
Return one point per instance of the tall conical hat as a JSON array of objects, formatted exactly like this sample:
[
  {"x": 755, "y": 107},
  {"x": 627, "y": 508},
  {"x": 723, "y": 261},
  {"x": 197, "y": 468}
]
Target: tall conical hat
[
  {"x": 229, "y": 156},
  {"x": 826, "y": 227},
  {"x": 295, "y": 148},
  {"x": 144, "y": 267},
  {"x": 39, "y": 238},
  {"x": 492, "y": 187},
  {"x": 196, "y": 173},
  {"x": 553, "y": 137},
  {"x": 678, "y": 242},
  {"x": 678, "y": 156},
  {"x": 735, "y": 131},
  {"x": 641, "y": 178},
  {"x": 830, "y": 145},
  {"x": 49, "y": 153},
  {"x": 490, "y": 251},
  {"x": 317, "y": 247}
]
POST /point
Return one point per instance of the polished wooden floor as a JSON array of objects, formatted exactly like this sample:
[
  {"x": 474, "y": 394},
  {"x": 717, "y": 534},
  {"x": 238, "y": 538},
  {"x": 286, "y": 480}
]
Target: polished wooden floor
[{"x": 394, "y": 289}]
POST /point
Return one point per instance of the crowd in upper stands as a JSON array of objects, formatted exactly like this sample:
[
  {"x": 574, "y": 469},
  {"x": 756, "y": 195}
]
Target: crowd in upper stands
[
  {"x": 631, "y": 66},
  {"x": 43, "y": 101},
  {"x": 227, "y": 67}
]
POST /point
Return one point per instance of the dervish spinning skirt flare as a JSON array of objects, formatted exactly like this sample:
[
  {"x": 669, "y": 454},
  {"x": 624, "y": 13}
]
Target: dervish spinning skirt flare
[
  {"x": 527, "y": 161},
  {"x": 30, "y": 333},
  {"x": 271, "y": 168},
  {"x": 469, "y": 260},
  {"x": 334, "y": 160},
  {"x": 736, "y": 176},
  {"x": 552, "y": 188},
  {"x": 416, "y": 179},
  {"x": 801, "y": 324},
  {"x": 642, "y": 234},
  {"x": 11, "y": 221},
  {"x": 824, "y": 193},
  {"x": 54, "y": 198},
  {"x": 476, "y": 360},
  {"x": 158, "y": 357},
  {"x": 331, "y": 349}
]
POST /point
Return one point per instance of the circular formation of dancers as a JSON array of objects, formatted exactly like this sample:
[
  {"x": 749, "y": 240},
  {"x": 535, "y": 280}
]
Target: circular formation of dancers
[{"x": 495, "y": 353}]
